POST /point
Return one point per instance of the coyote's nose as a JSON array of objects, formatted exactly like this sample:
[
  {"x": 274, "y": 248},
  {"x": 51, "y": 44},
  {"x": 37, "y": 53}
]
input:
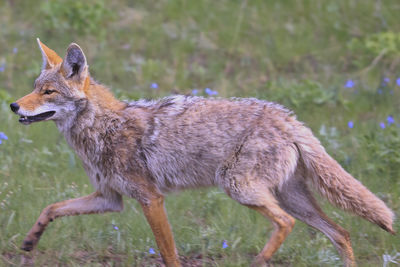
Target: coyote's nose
[{"x": 14, "y": 107}]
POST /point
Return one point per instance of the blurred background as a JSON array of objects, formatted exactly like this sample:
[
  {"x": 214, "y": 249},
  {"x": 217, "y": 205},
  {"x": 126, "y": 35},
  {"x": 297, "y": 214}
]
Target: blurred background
[{"x": 335, "y": 63}]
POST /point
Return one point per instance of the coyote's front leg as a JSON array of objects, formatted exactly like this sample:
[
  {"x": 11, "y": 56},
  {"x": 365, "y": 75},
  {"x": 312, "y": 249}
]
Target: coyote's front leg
[
  {"x": 157, "y": 218},
  {"x": 93, "y": 203}
]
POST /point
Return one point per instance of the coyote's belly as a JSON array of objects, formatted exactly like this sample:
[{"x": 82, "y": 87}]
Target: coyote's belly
[{"x": 174, "y": 169}]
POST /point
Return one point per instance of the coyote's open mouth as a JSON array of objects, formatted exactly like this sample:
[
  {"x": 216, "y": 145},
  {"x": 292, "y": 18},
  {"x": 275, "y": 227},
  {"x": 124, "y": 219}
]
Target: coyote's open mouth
[{"x": 36, "y": 118}]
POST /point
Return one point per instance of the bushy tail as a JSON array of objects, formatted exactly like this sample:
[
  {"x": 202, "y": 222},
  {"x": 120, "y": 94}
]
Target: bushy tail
[{"x": 339, "y": 187}]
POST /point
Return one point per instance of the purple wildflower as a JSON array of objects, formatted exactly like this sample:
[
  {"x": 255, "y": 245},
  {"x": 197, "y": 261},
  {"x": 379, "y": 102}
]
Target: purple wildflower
[
  {"x": 115, "y": 227},
  {"x": 349, "y": 84},
  {"x": 350, "y": 124},
  {"x": 15, "y": 50},
  {"x": 390, "y": 119},
  {"x": 3, "y": 136},
  {"x": 210, "y": 92},
  {"x": 382, "y": 125},
  {"x": 386, "y": 80},
  {"x": 151, "y": 251},
  {"x": 2, "y": 67},
  {"x": 195, "y": 91},
  {"x": 154, "y": 86},
  {"x": 224, "y": 244},
  {"x": 398, "y": 81}
]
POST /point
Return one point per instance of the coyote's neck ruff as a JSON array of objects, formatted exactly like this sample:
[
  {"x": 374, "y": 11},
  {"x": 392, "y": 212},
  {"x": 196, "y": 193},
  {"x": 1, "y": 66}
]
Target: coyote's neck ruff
[{"x": 256, "y": 151}]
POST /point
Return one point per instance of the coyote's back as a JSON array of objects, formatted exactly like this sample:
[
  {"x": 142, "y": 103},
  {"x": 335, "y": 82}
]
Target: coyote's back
[
  {"x": 256, "y": 151},
  {"x": 193, "y": 141}
]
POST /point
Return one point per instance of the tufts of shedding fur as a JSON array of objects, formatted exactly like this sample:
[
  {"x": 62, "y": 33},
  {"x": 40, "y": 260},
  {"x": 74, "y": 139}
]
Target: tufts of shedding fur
[{"x": 338, "y": 186}]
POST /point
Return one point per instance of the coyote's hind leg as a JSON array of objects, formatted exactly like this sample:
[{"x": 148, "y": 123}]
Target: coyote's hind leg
[
  {"x": 283, "y": 225},
  {"x": 260, "y": 199},
  {"x": 297, "y": 200}
]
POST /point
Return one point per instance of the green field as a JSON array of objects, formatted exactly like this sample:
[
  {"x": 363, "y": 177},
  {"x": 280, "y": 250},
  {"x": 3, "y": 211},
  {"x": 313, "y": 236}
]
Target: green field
[{"x": 335, "y": 63}]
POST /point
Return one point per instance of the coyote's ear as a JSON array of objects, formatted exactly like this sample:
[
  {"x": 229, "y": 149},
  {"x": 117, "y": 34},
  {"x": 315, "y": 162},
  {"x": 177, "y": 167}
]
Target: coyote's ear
[
  {"x": 50, "y": 58},
  {"x": 75, "y": 65}
]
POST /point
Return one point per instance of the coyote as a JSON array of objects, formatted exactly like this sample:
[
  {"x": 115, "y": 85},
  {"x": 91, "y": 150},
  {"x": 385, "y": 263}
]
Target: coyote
[{"x": 256, "y": 151}]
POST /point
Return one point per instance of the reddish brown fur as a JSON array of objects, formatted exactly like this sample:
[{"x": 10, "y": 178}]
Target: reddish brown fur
[
  {"x": 52, "y": 56},
  {"x": 31, "y": 101},
  {"x": 283, "y": 225},
  {"x": 103, "y": 97},
  {"x": 157, "y": 218}
]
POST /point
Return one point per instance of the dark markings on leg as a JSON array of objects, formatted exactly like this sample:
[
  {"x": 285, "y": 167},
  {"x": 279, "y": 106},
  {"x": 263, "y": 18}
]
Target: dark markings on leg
[{"x": 38, "y": 234}]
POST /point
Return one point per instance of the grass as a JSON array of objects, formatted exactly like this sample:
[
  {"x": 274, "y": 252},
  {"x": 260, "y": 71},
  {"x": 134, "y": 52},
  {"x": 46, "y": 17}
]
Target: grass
[{"x": 298, "y": 53}]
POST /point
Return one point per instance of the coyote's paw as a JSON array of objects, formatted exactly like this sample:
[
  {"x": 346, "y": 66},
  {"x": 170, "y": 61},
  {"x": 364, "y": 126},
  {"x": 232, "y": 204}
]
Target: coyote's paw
[
  {"x": 28, "y": 245},
  {"x": 33, "y": 236}
]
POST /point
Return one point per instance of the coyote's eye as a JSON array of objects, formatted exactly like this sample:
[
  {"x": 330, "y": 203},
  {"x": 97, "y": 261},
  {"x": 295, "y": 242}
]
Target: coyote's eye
[{"x": 48, "y": 92}]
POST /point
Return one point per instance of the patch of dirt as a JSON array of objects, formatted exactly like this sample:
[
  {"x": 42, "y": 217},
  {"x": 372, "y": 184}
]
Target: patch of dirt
[{"x": 107, "y": 259}]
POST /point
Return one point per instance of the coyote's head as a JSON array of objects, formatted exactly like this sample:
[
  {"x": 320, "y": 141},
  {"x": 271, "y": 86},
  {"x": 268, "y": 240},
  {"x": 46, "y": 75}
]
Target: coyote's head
[{"x": 59, "y": 91}]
